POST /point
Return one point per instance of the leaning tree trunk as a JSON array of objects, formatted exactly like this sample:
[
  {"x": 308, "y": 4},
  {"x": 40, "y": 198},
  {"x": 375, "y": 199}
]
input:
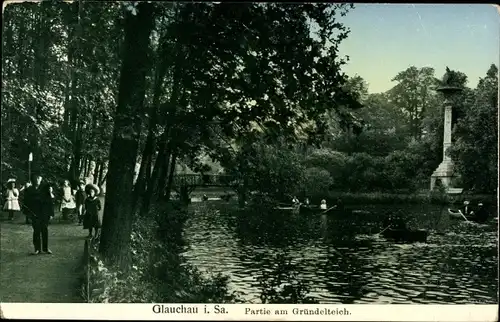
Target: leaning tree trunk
[
  {"x": 162, "y": 178},
  {"x": 149, "y": 147},
  {"x": 148, "y": 194},
  {"x": 118, "y": 214}
]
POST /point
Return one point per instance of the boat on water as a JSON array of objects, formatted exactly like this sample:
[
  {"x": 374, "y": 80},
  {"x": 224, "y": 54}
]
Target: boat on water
[
  {"x": 332, "y": 210},
  {"x": 406, "y": 235},
  {"x": 313, "y": 210},
  {"x": 288, "y": 208},
  {"x": 455, "y": 214}
]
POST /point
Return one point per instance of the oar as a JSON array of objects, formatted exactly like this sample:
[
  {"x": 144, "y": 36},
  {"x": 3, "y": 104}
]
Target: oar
[
  {"x": 324, "y": 212},
  {"x": 460, "y": 211},
  {"x": 385, "y": 229}
]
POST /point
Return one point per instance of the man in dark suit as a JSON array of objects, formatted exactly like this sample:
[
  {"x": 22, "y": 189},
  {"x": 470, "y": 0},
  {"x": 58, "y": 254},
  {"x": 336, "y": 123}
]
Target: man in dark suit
[
  {"x": 481, "y": 215},
  {"x": 38, "y": 201}
]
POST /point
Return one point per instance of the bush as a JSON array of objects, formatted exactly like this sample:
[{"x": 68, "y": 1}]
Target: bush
[
  {"x": 317, "y": 180},
  {"x": 274, "y": 172}
]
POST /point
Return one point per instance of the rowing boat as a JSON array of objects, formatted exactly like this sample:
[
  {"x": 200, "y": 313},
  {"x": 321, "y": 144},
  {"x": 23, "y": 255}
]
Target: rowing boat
[
  {"x": 406, "y": 235},
  {"x": 293, "y": 209},
  {"x": 458, "y": 215},
  {"x": 312, "y": 210}
]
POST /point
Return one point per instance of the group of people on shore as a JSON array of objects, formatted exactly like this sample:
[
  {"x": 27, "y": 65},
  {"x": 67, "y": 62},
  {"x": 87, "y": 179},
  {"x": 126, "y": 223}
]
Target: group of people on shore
[{"x": 38, "y": 207}]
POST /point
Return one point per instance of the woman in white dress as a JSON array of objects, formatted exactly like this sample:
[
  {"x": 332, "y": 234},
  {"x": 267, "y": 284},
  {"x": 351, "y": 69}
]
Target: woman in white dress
[
  {"x": 68, "y": 204},
  {"x": 12, "y": 198}
]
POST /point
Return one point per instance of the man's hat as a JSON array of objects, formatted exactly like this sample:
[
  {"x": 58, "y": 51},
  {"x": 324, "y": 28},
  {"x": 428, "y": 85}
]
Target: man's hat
[
  {"x": 11, "y": 180},
  {"x": 466, "y": 202}
]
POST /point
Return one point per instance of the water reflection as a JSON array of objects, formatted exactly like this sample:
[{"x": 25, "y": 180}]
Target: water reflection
[{"x": 345, "y": 259}]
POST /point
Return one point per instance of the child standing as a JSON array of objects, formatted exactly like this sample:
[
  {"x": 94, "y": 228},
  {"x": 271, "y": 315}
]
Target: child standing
[
  {"x": 80, "y": 201},
  {"x": 12, "y": 198},
  {"x": 67, "y": 203},
  {"x": 91, "y": 220}
]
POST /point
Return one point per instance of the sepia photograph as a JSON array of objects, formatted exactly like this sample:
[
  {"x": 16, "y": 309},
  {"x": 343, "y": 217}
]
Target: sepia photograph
[{"x": 307, "y": 155}]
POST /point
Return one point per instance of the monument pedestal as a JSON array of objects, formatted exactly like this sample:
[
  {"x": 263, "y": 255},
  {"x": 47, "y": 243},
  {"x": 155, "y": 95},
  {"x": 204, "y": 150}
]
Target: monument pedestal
[{"x": 443, "y": 174}]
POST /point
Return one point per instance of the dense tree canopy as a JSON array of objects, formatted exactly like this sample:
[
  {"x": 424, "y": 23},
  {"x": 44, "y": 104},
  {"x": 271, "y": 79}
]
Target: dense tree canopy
[{"x": 157, "y": 83}]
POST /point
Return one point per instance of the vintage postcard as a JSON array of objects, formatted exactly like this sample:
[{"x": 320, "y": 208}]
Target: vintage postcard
[{"x": 249, "y": 161}]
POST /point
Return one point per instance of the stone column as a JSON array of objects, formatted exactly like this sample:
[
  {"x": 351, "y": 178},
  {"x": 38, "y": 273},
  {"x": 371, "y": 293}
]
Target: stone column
[
  {"x": 447, "y": 129},
  {"x": 444, "y": 173}
]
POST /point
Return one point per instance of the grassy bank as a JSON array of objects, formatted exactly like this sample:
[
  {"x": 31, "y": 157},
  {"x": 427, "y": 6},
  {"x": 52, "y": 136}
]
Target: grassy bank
[
  {"x": 403, "y": 198},
  {"x": 158, "y": 271}
]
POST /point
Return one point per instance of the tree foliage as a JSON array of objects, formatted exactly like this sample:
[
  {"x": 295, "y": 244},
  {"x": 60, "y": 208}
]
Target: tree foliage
[
  {"x": 96, "y": 88},
  {"x": 475, "y": 150}
]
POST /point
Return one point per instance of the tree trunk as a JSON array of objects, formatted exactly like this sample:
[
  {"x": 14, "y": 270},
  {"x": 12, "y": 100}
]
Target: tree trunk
[
  {"x": 100, "y": 181},
  {"x": 242, "y": 193},
  {"x": 70, "y": 11},
  {"x": 79, "y": 162},
  {"x": 89, "y": 166},
  {"x": 162, "y": 178},
  {"x": 163, "y": 153},
  {"x": 141, "y": 177},
  {"x": 75, "y": 123},
  {"x": 83, "y": 168},
  {"x": 9, "y": 53},
  {"x": 147, "y": 154},
  {"x": 151, "y": 185},
  {"x": 96, "y": 172},
  {"x": 118, "y": 212},
  {"x": 147, "y": 177},
  {"x": 171, "y": 174}
]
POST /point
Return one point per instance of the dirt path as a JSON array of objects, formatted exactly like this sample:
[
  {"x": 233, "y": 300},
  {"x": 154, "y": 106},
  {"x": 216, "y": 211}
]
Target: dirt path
[{"x": 40, "y": 278}]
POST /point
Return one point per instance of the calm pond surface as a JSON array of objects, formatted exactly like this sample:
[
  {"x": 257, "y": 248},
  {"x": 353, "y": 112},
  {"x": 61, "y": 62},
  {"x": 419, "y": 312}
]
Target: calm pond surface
[{"x": 344, "y": 258}]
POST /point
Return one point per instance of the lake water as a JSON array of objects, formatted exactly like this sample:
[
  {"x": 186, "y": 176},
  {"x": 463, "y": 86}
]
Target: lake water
[{"x": 343, "y": 257}]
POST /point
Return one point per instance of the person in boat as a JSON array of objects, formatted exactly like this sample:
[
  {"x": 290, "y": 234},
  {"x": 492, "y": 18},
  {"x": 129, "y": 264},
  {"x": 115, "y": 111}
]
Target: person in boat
[
  {"x": 295, "y": 201},
  {"x": 323, "y": 205},
  {"x": 400, "y": 222},
  {"x": 481, "y": 215},
  {"x": 466, "y": 210},
  {"x": 395, "y": 221},
  {"x": 306, "y": 202},
  {"x": 205, "y": 197},
  {"x": 339, "y": 205}
]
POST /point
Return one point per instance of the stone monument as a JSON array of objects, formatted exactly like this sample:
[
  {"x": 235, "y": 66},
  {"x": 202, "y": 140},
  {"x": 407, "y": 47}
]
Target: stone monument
[{"x": 450, "y": 87}]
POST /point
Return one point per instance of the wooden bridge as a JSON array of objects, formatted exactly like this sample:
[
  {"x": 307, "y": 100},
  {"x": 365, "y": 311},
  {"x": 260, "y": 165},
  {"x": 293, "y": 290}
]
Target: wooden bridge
[{"x": 204, "y": 180}]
